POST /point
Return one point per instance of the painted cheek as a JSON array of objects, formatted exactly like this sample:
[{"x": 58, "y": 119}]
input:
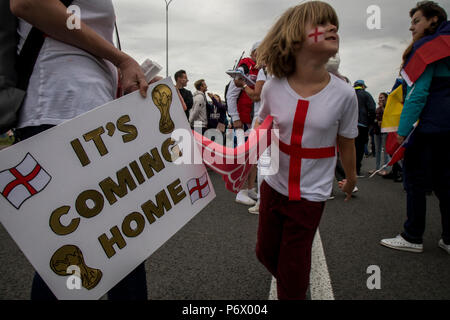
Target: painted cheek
[{"x": 316, "y": 35}]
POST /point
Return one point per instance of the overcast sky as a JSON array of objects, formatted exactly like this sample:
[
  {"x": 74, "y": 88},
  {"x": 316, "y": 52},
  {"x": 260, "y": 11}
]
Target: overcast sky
[{"x": 207, "y": 36}]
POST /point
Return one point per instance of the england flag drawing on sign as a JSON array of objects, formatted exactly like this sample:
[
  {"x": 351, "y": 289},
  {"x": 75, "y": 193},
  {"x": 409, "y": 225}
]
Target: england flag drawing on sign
[
  {"x": 23, "y": 181},
  {"x": 198, "y": 188}
]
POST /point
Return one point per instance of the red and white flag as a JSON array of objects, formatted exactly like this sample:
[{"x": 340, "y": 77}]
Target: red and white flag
[
  {"x": 23, "y": 181},
  {"x": 234, "y": 164},
  {"x": 198, "y": 188}
]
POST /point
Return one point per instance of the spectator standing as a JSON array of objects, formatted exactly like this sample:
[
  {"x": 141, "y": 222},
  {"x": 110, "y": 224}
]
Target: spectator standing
[
  {"x": 198, "y": 112},
  {"x": 427, "y": 156},
  {"x": 59, "y": 91},
  {"x": 181, "y": 81},
  {"x": 366, "y": 116},
  {"x": 380, "y": 137},
  {"x": 240, "y": 109},
  {"x": 255, "y": 95},
  {"x": 217, "y": 113}
]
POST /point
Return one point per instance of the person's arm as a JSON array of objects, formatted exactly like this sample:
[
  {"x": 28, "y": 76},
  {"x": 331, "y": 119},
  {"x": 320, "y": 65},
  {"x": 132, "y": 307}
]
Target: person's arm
[
  {"x": 232, "y": 97},
  {"x": 371, "y": 107},
  {"x": 415, "y": 101},
  {"x": 198, "y": 100},
  {"x": 255, "y": 93},
  {"x": 347, "y": 155},
  {"x": 50, "y": 16}
]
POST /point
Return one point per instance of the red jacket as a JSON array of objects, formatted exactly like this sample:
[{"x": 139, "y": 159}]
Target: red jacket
[{"x": 244, "y": 103}]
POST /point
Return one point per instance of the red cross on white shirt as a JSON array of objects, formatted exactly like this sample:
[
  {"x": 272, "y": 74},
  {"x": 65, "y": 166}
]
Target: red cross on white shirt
[{"x": 296, "y": 151}]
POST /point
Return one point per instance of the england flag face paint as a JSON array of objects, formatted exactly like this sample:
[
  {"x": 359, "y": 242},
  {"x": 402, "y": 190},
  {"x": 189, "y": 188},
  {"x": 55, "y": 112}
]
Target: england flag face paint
[{"x": 316, "y": 34}]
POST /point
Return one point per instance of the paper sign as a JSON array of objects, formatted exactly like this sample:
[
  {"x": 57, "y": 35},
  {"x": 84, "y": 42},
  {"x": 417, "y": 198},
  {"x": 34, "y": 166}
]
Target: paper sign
[{"x": 89, "y": 200}]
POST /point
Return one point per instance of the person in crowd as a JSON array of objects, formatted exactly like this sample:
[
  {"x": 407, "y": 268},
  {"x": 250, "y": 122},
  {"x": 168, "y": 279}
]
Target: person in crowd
[
  {"x": 426, "y": 159},
  {"x": 198, "y": 112},
  {"x": 380, "y": 137},
  {"x": 181, "y": 81},
  {"x": 255, "y": 95},
  {"x": 90, "y": 80},
  {"x": 217, "y": 115},
  {"x": 366, "y": 107},
  {"x": 313, "y": 110},
  {"x": 240, "y": 109}
]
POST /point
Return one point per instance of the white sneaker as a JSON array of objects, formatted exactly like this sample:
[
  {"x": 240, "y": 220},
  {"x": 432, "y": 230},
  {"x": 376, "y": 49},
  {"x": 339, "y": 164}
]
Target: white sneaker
[
  {"x": 399, "y": 243},
  {"x": 254, "y": 209},
  {"x": 243, "y": 198},
  {"x": 444, "y": 246},
  {"x": 355, "y": 189},
  {"x": 252, "y": 194}
]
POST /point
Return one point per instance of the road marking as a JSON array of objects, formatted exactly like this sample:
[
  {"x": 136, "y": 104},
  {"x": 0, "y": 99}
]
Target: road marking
[{"x": 320, "y": 283}]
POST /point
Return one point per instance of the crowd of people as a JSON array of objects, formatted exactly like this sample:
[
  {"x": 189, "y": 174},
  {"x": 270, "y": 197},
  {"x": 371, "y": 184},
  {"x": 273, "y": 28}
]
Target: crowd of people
[{"x": 314, "y": 107}]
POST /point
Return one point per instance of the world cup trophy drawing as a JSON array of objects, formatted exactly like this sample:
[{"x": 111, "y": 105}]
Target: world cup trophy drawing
[
  {"x": 69, "y": 255},
  {"x": 162, "y": 98}
]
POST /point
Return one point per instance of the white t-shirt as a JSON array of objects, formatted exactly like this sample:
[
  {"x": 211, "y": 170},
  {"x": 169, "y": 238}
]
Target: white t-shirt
[
  {"x": 331, "y": 112},
  {"x": 68, "y": 81},
  {"x": 257, "y": 105}
]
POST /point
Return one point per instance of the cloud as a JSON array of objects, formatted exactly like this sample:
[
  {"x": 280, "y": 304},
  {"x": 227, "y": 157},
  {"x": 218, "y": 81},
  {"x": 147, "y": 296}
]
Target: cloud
[{"x": 207, "y": 36}]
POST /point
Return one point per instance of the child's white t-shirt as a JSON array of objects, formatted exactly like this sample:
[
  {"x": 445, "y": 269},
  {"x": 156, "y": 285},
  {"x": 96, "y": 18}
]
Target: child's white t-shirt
[{"x": 331, "y": 112}]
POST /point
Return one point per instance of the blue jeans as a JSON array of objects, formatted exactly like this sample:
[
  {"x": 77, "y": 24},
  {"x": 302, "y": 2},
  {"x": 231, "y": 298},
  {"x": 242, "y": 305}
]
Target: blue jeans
[{"x": 380, "y": 146}]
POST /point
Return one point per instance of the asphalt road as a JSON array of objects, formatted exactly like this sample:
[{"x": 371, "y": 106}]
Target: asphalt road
[{"x": 212, "y": 257}]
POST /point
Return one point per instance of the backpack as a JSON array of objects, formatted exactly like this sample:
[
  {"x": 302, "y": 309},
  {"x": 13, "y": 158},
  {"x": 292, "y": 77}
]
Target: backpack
[{"x": 15, "y": 69}]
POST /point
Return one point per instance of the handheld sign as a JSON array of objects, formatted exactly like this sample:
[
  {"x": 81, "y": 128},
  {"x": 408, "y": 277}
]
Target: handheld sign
[{"x": 89, "y": 200}]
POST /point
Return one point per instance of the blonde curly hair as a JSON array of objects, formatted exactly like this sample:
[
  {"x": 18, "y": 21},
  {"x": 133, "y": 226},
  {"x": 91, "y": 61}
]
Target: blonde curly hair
[{"x": 277, "y": 50}]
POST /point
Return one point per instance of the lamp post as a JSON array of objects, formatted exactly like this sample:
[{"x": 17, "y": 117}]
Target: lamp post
[{"x": 167, "y": 36}]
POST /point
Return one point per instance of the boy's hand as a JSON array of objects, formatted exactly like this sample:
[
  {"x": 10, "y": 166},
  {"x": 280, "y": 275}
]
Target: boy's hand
[{"x": 347, "y": 186}]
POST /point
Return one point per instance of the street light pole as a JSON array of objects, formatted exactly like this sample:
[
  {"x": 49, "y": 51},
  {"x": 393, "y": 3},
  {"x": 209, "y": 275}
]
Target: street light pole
[{"x": 167, "y": 36}]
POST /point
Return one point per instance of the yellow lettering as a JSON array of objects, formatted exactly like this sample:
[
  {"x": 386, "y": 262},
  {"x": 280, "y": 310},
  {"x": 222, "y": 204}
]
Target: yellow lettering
[
  {"x": 79, "y": 151},
  {"x": 176, "y": 191},
  {"x": 110, "y": 188},
  {"x": 150, "y": 163},
  {"x": 131, "y": 130},
  {"x": 107, "y": 244},
  {"x": 95, "y": 135},
  {"x": 126, "y": 224},
  {"x": 82, "y": 207},
  {"x": 150, "y": 209},
  {"x": 58, "y": 227}
]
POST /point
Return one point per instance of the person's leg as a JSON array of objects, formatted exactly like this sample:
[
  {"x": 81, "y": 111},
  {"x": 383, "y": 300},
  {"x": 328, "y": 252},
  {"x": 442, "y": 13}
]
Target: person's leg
[
  {"x": 417, "y": 173},
  {"x": 383, "y": 148},
  {"x": 360, "y": 143},
  {"x": 40, "y": 291},
  {"x": 301, "y": 219},
  {"x": 133, "y": 287},
  {"x": 252, "y": 178},
  {"x": 441, "y": 182},
  {"x": 269, "y": 229},
  {"x": 372, "y": 142},
  {"x": 378, "y": 149}
]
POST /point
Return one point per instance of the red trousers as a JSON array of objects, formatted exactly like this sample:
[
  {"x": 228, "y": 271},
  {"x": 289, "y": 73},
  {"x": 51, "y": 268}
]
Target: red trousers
[{"x": 285, "y": 235}]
